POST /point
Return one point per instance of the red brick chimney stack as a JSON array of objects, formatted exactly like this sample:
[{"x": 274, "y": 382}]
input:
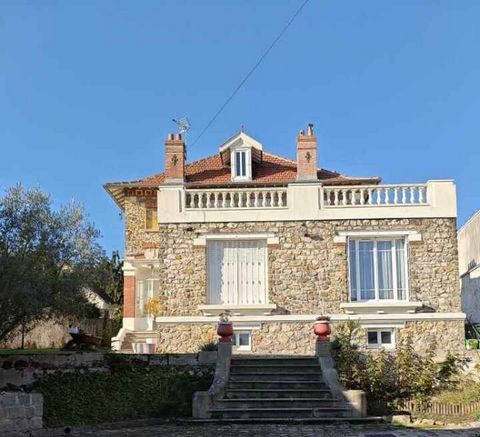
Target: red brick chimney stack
[
  {"x": 307, "y": 155},
  {"x": 175, "y": 157}
]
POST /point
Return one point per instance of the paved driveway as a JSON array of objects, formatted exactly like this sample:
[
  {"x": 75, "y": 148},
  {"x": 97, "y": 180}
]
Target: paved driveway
[{"x": 251, "y": 430}]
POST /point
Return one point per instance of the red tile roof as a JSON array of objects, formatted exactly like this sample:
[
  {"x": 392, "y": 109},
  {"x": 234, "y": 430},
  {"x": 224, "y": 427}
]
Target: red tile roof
[{"x": 271, "y": 170}]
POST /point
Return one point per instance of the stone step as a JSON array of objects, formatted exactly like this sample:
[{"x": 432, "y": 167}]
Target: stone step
[
  {"x": 258, "y": 375},
  {"x": 275, "y": 368},
  {"x": 291, "y": 420},
  {"x": 258, "y": 361},
  {"x": 270, "y": 413},
  {"x": 243, "y": 393},
  {"x": 274, "y": 383},
  {"x": 248, "y": 403}
]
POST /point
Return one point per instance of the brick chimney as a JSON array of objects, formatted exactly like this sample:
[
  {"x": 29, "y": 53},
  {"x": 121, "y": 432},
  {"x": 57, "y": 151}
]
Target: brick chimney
[
  {"x": 175, "y": 157},
  {"x": 307, "y": 155}
]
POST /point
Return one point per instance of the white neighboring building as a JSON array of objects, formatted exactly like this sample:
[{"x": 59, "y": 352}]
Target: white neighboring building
[{"x": 469, "y": 267}]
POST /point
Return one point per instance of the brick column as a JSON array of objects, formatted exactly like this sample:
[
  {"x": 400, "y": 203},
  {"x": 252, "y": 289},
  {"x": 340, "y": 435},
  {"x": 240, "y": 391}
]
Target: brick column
[{"x": 129, "y": 295}]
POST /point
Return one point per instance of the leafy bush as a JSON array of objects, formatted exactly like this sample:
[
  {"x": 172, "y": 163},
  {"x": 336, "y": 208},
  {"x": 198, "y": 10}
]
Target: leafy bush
[
  {"x": 208, "y": 347},
  {"x": 390, "y": 378},
  {"x": 77, "y": 399}
]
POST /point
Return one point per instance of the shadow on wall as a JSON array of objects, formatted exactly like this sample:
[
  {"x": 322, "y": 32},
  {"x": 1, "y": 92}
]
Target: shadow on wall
[{"x": 470, "y": 283}]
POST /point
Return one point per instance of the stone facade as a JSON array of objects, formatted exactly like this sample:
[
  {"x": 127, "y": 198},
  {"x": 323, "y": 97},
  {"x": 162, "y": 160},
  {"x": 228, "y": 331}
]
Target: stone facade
[
  {"x": 307, "y": 272},
  {"x": 293, "y": 338}
]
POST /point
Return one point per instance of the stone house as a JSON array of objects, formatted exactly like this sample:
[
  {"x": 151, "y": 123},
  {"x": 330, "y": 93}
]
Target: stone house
[
  {"x": 279, "y": 242},
  {"x": 469, "y": 266}
]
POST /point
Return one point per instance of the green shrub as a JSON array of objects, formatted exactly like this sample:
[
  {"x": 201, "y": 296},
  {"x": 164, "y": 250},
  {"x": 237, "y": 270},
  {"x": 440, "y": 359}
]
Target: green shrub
[
  {"x": 390, "y": 378},
  {"x": 76, "y": 399}
]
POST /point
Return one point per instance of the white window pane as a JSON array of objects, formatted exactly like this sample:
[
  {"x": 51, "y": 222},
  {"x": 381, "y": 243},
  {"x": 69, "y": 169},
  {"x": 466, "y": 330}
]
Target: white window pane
[
  {"x": 237, "y": 164},
  {"x": 401, "y": 270},
  {"x": 243, "y": 339},
  {"x": 372, "y": 337},
  {"x": 367, "y": 282},
  {"x": 385, "y": 269},
  {"x": 386, "y": 337},
  {"x": 353, "y": 270}
]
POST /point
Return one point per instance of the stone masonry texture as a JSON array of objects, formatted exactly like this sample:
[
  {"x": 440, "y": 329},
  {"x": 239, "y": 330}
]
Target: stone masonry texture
[{"x": 307, "y": 271}]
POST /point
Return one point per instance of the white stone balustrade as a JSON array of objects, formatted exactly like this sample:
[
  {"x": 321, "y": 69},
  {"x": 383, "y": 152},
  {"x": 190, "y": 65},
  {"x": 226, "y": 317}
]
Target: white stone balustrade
[
  {"x": 306, "y": 201},
  {"x": 375, "y": 195},
  {"x": 236, "y": 198}
]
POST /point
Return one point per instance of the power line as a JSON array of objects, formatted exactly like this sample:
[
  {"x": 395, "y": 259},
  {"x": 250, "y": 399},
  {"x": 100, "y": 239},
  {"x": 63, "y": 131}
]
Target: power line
[{"x": 282, "y": 32}]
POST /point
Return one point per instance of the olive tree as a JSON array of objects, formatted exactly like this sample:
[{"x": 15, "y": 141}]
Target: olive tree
[{"x": 47, "y": 256}]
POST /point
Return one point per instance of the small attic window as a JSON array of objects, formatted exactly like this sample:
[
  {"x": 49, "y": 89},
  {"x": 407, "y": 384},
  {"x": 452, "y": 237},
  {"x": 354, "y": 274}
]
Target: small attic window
[{"x": 241, "y": 164}]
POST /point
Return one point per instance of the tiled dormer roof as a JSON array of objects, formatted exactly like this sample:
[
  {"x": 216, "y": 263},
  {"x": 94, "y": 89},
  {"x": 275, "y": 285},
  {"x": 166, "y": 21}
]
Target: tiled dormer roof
[{"x": 271, "y": 170}]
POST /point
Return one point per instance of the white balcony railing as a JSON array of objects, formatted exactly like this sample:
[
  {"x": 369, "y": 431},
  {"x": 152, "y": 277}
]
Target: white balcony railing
[
  {"x": 375, "y": 195},
  {"x": 236, "y": 198}
]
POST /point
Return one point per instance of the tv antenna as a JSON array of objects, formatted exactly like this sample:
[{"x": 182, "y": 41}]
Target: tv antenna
[{"x": 183, "y": 124}]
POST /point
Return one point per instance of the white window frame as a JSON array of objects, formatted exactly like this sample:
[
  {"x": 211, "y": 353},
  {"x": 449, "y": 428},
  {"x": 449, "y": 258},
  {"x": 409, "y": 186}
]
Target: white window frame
[
  {"x": 248, "y": 164},
  {"x": 244, "y": 348},
  {"x": 379, "y": 344},
  {"x": 375, "y": 264}
]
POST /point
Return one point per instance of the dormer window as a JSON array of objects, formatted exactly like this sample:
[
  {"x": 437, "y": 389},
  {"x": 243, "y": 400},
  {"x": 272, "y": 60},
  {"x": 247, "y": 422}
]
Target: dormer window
[
  {"x": 241, "y": 164},
  {"x": 239, "y": 153}
]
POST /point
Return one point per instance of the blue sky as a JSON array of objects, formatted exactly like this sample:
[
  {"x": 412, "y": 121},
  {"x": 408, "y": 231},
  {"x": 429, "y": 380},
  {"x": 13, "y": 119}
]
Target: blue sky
[{"x": 88, "y": 89}]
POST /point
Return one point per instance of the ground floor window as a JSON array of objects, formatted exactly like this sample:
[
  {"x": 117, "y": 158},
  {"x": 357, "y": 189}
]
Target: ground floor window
[
  {"x": 242, "y": 341},
  {"x": 381, "y": 338}
]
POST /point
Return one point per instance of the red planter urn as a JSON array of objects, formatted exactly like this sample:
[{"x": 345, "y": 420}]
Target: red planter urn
[
  {"x": 322, "y": 329},
  {"x": 225, "y": 331}
]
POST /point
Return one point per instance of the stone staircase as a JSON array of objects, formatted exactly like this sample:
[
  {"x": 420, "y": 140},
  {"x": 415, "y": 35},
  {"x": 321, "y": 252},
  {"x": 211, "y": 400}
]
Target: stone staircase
[
  {"x": 277, "y": 388},
  {"x": 135, "y": 337}
]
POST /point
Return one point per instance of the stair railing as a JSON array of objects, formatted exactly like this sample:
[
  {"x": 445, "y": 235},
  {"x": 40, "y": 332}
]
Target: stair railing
[
  {"x": 355, "y": 399},
  {"x": 203, "y": 400}
]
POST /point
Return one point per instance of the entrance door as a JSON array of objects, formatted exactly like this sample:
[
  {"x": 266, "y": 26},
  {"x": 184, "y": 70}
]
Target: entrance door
[
  {"x": 237, "y": 272},
  {"x": 146, "y": 289}
]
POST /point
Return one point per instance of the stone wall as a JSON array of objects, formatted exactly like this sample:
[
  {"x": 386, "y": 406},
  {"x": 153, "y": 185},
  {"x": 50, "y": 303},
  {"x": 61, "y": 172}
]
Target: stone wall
[
  {"x": 23, "y": 371},
  {"x": 297, "y": 338},
  {"x": 20, "y": 413},
  {"x": 307, "y": 271}
]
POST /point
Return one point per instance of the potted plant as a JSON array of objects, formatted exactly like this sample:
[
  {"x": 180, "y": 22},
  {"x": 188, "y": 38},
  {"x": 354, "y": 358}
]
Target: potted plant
[
  {"x": 154, "y": 307},
  {"x": 322, "y": 327},
  {"x": 225, "y": 327}
]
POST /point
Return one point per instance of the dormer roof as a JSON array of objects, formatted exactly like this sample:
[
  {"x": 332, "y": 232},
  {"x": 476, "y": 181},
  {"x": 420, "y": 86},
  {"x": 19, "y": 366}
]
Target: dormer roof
[{"x": 241, "y": 139}]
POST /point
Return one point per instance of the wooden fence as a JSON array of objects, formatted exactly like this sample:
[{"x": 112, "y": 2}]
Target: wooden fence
[{"x": 442, "y": 409}]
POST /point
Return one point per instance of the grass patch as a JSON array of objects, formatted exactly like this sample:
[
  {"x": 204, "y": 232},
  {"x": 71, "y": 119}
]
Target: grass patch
[
  {"x": 464, "y": 392},
  {"x": 80, "y": 399}
]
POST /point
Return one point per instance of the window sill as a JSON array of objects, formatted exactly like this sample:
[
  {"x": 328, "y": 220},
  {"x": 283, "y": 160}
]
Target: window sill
[
  {"x": 380, "y": 307},
  {"x": 237, "y": 310}
]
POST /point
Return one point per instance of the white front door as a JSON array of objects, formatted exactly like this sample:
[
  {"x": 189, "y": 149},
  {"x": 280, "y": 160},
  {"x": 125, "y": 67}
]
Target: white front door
[{"x": 237, "y": 272}]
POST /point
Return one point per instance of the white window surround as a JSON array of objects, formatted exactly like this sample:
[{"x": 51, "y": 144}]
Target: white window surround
[
  {"x": 380, "y": 307},
  {"x": 382, "y": 334},
  {"x": 237, "y": 310},
  {"x": 410, "y": 236},
  {"x": 395, "y": 269},
  {"x": 201, "y": 240},
  {"x": 242, "y": 336},
  {"x": 241, "y": 156}
]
